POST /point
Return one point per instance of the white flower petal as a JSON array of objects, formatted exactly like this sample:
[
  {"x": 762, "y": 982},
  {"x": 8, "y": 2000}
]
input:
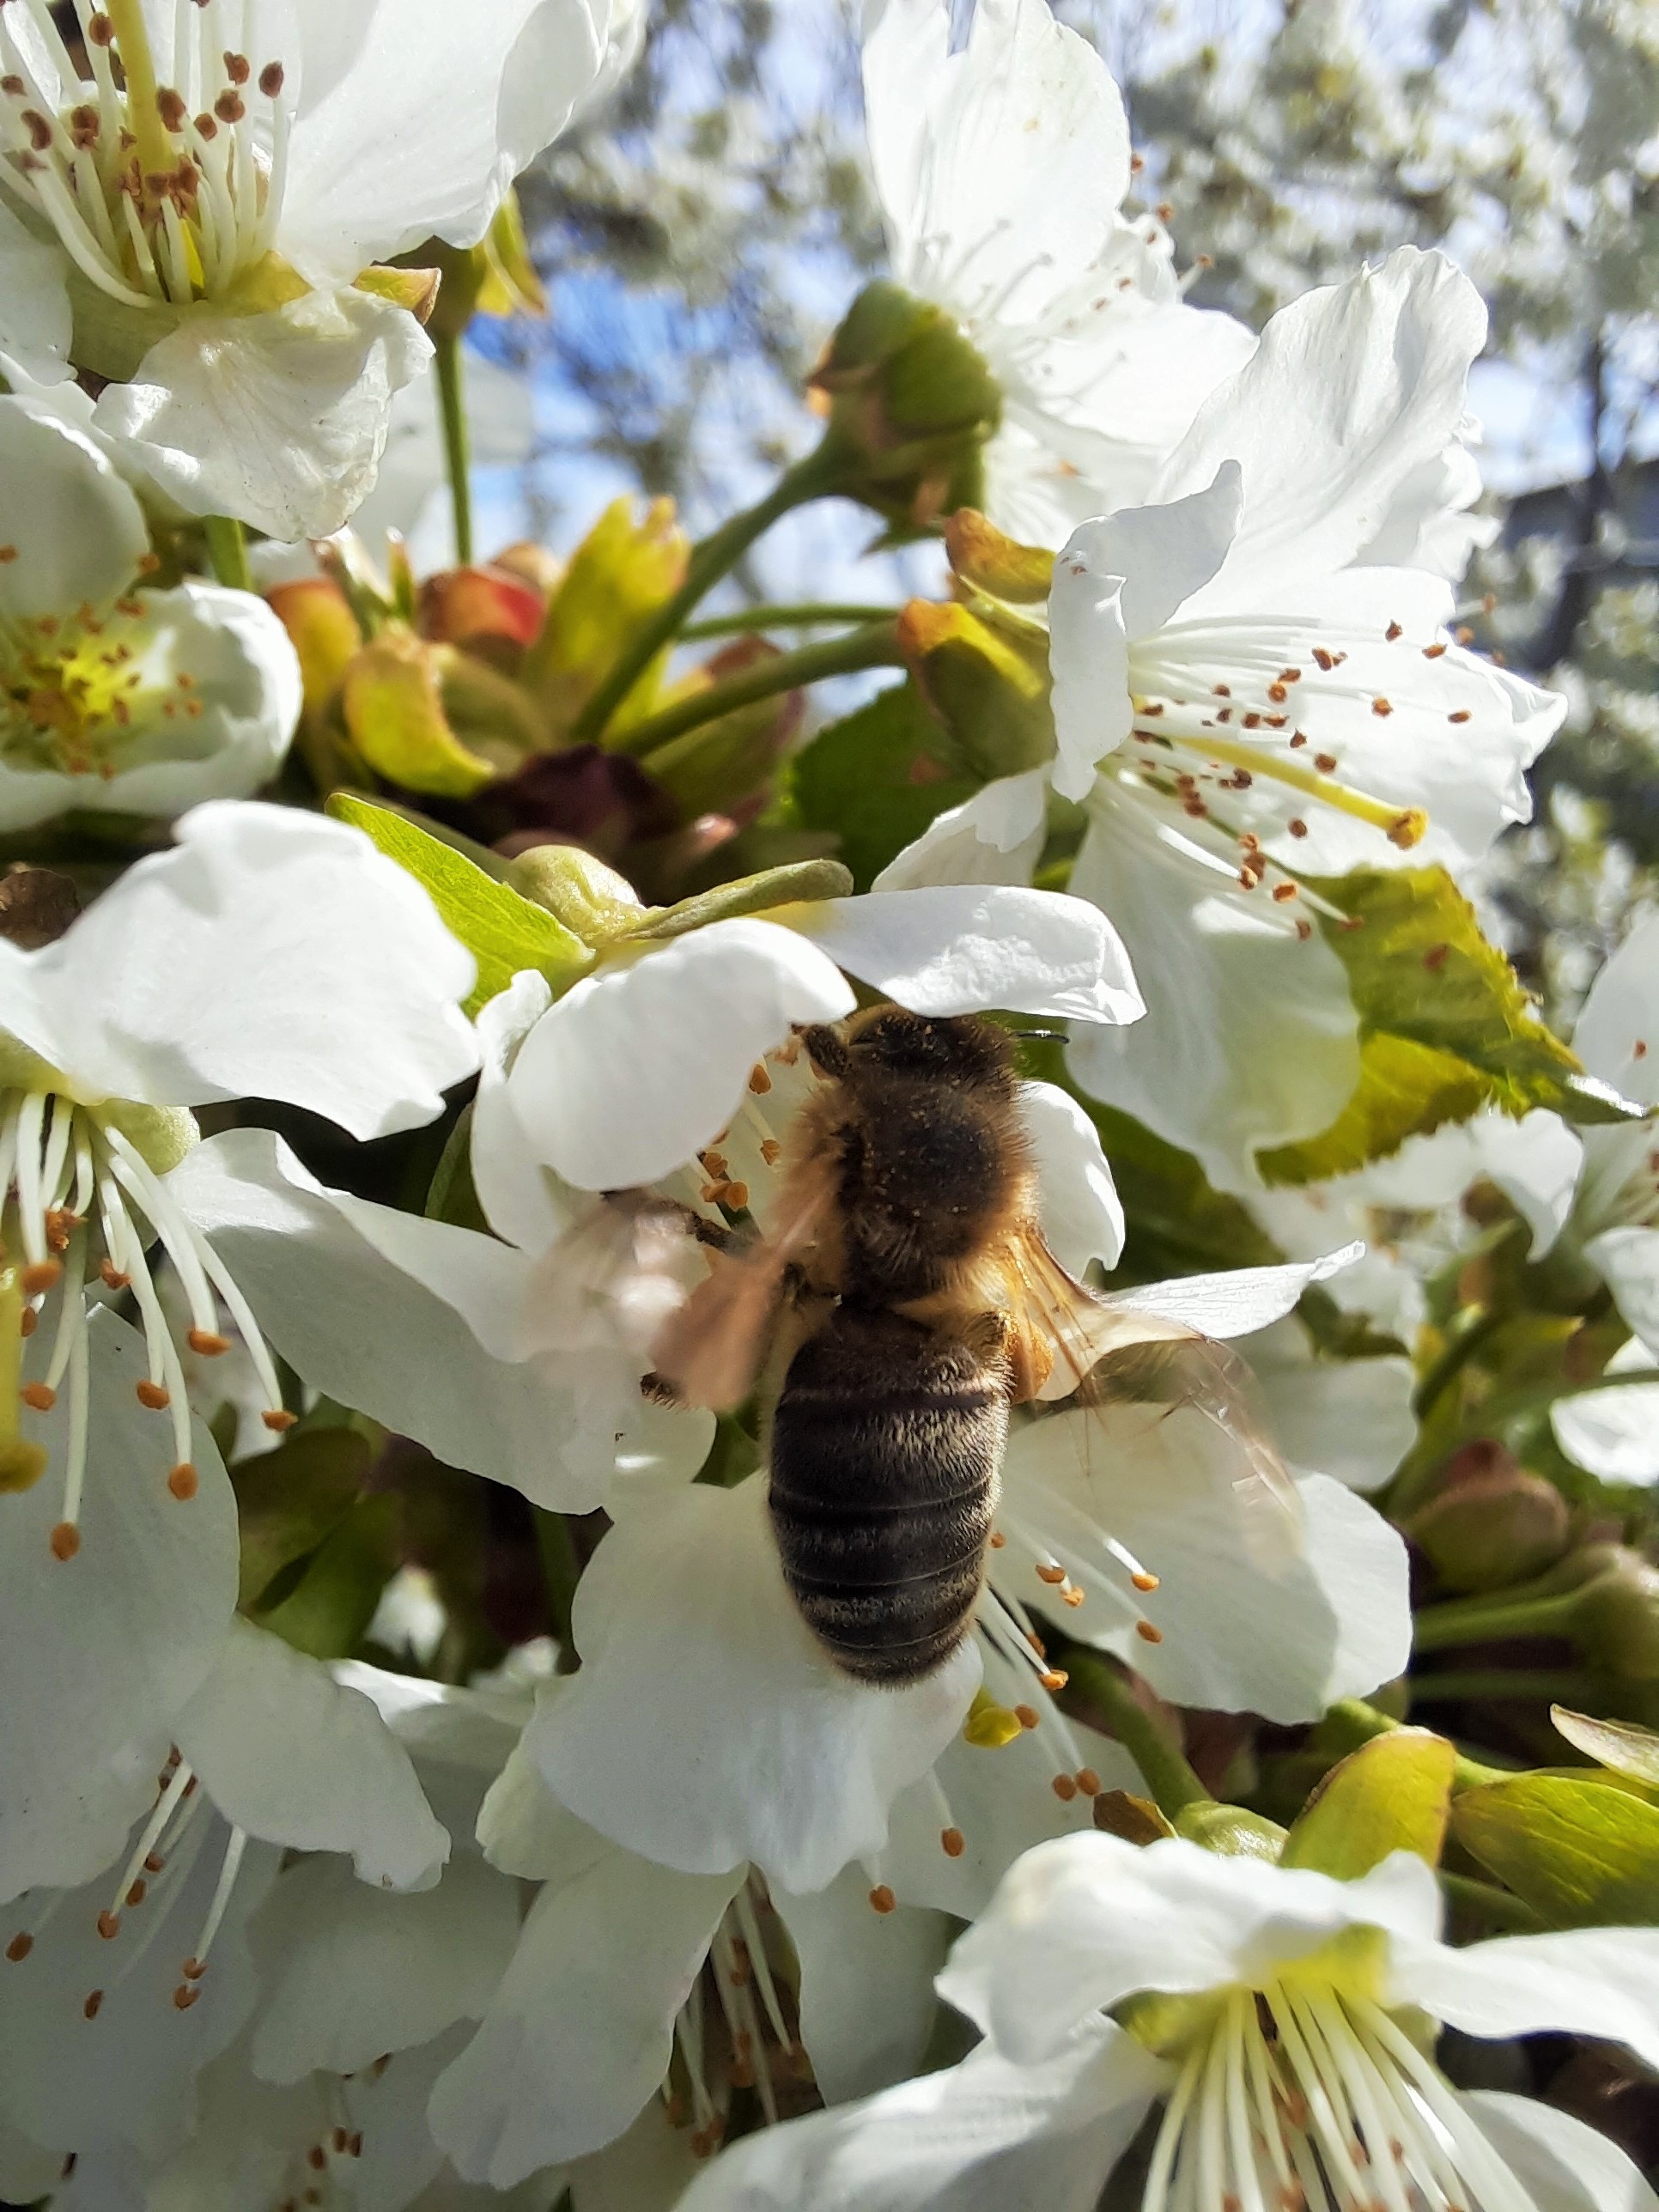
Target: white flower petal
[
  {"x": 1252, "y": 1039},
  {"x": 125, "y": 2080},
  {"x": 1002, "y": 1803},
  {"x": 1628, "y": 1261},
  {"x": 638, "y": 1067},
  {"x": 866, "y": 1983},
  {"x": 964, "y": 949},
  {"x": 278, "y": 419},
  {"x": 995, "y": 837},
  {"x": 1602, "y": 1982},
  {"x": 522, "y": 1200},
  {"x": 1256, "y": 1613},
  {"x": 1020, "y": 136},
  {"x": 704, "y": 1728},
  {"x": 1351, "y": 390},
  {"x": 1239, "y": 1300},
  {"x": 1349, "y": 1418},
  {"x": 1085, "y": 1921},
  {"x": 983, "y": 2137},
  {"x": 101, "y": 1651},
  {"x": 397, "y": 1316},
  {"x": 294, "y": 1757},
  {"x": 1563, "y": 2165},
  {"x": 580, "y": 2033},
  {"x": 1614, "y": 1433},
  {"x": 27, "y": 2171},
  {"x": 647, "y": 2169},
  {"x": 435, "y": 115},
  {"x": 348, "y": 1972},
  {"x": 36, "y": 324},
  {"x": 1160, "y": 556},
  {"x": 272, "y": 954},
  {"x": 75, "y": 531},
  {"x": 1617, "y": 1035},
  {"x": 385, "y": 2104},
  {"x": 1079, "y": 1209}
]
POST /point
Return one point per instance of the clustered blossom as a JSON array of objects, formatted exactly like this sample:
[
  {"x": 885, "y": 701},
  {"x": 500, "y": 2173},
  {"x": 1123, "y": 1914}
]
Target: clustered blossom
[{"x": 348, "y": 1156}]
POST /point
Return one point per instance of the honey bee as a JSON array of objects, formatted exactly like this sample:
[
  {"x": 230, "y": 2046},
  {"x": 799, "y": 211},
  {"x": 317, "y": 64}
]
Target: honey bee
[{"x": 908, "y": 1299}]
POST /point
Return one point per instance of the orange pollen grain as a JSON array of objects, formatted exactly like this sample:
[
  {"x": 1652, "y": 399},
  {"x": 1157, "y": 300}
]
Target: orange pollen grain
[
  {"x": 1050, "y": 1574},
  {"x": 953, "y": 1842},
  {"x": 882, "y": 1898},
  {"x": 184, "y": 1996},
  {"x": 184, "y": 1481},
  {"x": 109, "y": 1924},
  {"x": 1026, "y": 1716},
  {"x": 65, "y": 1540},
  {"x": 1143, "y": 1581},
  {"x": 1148, "y": 1633},
  {"x": 1324, "y": 762},
  {"x": 274, "y": 1418},
  {"x": 1393, "y": 631},
  {"x": 27, "y": 1322},
  {"x": 759, "y": 1081},
  {"x": 193, "y": 1969},
  {"x": 1381, "y": 706},
  {"x": 1063, "y": 1787},
  {"x": 208, "y": 1342},
  {"x": 19, "y": 1947},
  {"x": 40, "y": 1396},
  {"x": 1088, "y": 1781},
  {"x": 95, "y": 2000},
  {"x": 41, "y": 1275},
  {"x": 1283, "y": 891},
  {"x": 152, "y": 1394},
  {"x": 1054, "y": 1679},
  {"x": 997, "y": 1539},
  {"x": 111, "y": 1277},
  {"x": 1462, "y": 714}
]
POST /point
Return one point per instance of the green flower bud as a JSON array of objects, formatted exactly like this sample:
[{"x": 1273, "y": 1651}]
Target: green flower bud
[
  {"x": 1492, "y": 1529},
  {"x": 1615, "y": 1618},
  {"x": 987, "y": 688},
  {"x": 911, "y": 405}
]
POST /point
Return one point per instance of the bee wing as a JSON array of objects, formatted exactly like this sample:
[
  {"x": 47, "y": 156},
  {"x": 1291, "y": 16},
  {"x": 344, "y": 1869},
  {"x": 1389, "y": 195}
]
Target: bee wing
[
  {"x": 1105, "y": 1354},
  {"x": 710, "y": 1352}
]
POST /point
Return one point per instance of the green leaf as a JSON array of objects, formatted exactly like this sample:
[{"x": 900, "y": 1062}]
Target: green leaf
[
  {"x": 1444, "y": 1027},
  {"x": 1618, "y": 1745},
  {"x": 502, "y": 932},
  {"x": 876, "y": 781},
  {"x": 328, "y": 1609},
  {"x": 290, "y": 1499},
  {"x": 1392, "y": 1795},
  {"x": 1583, "y": 1854}
]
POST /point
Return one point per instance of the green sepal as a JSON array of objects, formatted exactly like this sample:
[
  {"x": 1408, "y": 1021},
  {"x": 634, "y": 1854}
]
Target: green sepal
[
  {"x": 503, "y": 932},
  {"x": 1133, "y": 1819},
  {"x": 875, "y": 780},
  {"x": 1619, "y": 1746},
  {"x": 800, "y": 882},
  {"x": 628, "y": 564},
  {"x": 1231, "y": 1831},
  {"x": 1445, "y": 1027},
  {"x": 1581, "y": 1853},
  {"x": 1394, "y": 1793},
  {"x": 986, "y": 685},
  {"x": 578, "y": 890}
]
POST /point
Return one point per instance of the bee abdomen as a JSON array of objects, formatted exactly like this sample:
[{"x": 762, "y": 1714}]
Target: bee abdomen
[{"x": 886, "y": 1449}]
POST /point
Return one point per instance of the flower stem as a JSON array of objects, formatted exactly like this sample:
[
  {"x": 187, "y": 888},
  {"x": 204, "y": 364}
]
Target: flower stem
[
  {"x": 799, "y": 617},
  {"x": 661, "y": 739},
  {"x": 227, "y": 544},
  {"x": 1479, "y": 1620},
  {"x": 1562, "y": 1684},
  {"x": 808, "y": 479},
  {"x": 1350, "y": 1722},
  {"x": 1171, "y": 1779},
  {"x": 451, "y": 411},
  {"x": 1470, "y": 1331}
]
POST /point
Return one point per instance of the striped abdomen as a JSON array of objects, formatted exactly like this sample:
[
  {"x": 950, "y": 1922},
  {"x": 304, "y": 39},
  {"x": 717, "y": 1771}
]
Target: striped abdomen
[{"x": 886, "y": 1445}]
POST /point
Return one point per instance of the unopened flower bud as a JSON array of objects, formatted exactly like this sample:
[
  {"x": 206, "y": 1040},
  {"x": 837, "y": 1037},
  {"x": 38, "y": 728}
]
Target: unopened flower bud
[
  {"x": 987, "y": 691},
  {"x": 911, "y": 404},
  {"x": 1491, "y": 1530},
  {"x": 1233, "y": 1830},
  {"x": 1615, "y": 1618}
]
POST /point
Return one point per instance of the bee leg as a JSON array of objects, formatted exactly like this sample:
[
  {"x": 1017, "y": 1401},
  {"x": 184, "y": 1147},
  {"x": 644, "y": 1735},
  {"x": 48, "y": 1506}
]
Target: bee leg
[{"x": 826, "y": 1050}]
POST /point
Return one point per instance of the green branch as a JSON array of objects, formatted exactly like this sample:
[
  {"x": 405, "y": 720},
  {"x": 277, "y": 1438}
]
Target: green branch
[
  {"x": 654, "y": 740},
  {"x": 226, "y": 545},
  {"x": 1171, "y": 1779},
  {"x": 803, "y": 616},
  {"x": 809, "y": 479},
  {"x": 452, "y": 412}
]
